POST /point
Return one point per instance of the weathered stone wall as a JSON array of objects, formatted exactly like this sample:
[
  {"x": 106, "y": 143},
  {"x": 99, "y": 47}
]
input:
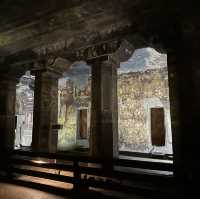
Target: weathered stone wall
[
  {"x": 71, "y": 99},
  {"x": 137, "y": 93}
]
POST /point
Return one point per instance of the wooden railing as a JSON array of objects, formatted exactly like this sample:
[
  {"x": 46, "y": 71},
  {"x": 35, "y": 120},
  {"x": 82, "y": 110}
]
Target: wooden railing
[{"x": 116, "y": 174}]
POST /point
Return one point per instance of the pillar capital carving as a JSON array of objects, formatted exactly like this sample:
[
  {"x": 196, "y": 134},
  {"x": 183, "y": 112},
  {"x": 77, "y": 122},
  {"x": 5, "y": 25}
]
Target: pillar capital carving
[
  {"x": 52, "y": 66},
  {"x": 122, "y": 53}
]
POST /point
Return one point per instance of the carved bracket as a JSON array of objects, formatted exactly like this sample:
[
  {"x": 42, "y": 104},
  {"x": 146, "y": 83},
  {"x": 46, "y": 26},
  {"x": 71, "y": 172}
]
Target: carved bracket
[
  {"x": 116, "y": 50},
  {"x": 123, "y": 53},
  {"x": 92, "y": 51}
]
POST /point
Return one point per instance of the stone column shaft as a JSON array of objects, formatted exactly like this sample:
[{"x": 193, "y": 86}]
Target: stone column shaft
[
  {"x": 109, "y": 110},
  {"x": 7, "y": 113},
  {"x": 184, "y": 82},
  {"x": 95, "y": 128},
  {"x": 104, "y": 114},
  {"x": 45, "y": 112}
]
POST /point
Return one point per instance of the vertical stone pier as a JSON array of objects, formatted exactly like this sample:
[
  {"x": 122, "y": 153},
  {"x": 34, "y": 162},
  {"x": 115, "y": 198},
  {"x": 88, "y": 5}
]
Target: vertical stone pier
[
  {"x": 7, "y": 113},
  {"x": 184, "y": 76},
  {"x": 104, "y": 110},
  {"x": 45, "y": 111}
]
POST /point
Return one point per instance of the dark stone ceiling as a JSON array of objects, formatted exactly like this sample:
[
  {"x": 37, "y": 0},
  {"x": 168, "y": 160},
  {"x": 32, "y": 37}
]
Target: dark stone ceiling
[
  {"x": 19, "y": 12},
  {"x": 29, "y": 27},
  {"x": 29, "y": 24}
]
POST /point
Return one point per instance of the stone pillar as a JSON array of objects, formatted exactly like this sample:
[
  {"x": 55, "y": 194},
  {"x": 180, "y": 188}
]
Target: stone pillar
[
  {"x": 104, "y": 112},
  {"x": 7, "y": 113},
  {"x": 184, "y": 82},
  {"x": 45, "y": 111},
  {"x": 174, "y": 95},
  {"x": 95, "y": 124}
]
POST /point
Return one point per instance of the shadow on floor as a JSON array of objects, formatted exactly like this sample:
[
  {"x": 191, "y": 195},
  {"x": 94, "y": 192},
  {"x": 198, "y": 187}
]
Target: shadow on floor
[
  {"x": 135, "y": 192},
  {"x": 32, "y": 189}
]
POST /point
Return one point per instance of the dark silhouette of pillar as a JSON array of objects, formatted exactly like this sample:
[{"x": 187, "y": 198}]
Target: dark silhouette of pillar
[
  {"x": 184, "y": 83},
  {"x": 45, "y": 111},
  {"x": 104, "y": 110},
  {"x": 7, "y": 113}
]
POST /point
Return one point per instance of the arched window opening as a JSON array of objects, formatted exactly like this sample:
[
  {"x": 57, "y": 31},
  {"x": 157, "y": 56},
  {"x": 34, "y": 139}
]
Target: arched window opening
[
  {"x": 74, "y": 101},
  {"x": 144, "y": 123}
]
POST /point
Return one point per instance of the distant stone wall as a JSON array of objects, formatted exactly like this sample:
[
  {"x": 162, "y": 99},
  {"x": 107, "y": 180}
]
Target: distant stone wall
[
  {"x": 71, "y": 99},
  {"x": 137, "y": 93}
]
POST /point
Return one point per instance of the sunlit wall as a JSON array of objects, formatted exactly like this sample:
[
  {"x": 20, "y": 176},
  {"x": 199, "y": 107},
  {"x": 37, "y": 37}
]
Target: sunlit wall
[
  {"x": 142, "y": 85},
  {"x": 73, "y": 95}
]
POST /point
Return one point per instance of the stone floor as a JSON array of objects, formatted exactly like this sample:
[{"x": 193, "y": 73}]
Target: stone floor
[
  {"x": 20, "y": 191},
  {"x": 13, "y": 191}
]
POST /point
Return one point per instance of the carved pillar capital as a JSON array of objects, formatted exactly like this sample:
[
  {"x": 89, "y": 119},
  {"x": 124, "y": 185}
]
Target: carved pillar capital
[
  {"x": 113, "y": 58},
  {"x": 53, "y": 67}
]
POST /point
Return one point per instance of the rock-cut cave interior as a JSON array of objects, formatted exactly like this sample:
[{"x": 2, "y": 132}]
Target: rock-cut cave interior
[
  {"x": 99, "y": 98},
  {"x": 143, "y": 93}
]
